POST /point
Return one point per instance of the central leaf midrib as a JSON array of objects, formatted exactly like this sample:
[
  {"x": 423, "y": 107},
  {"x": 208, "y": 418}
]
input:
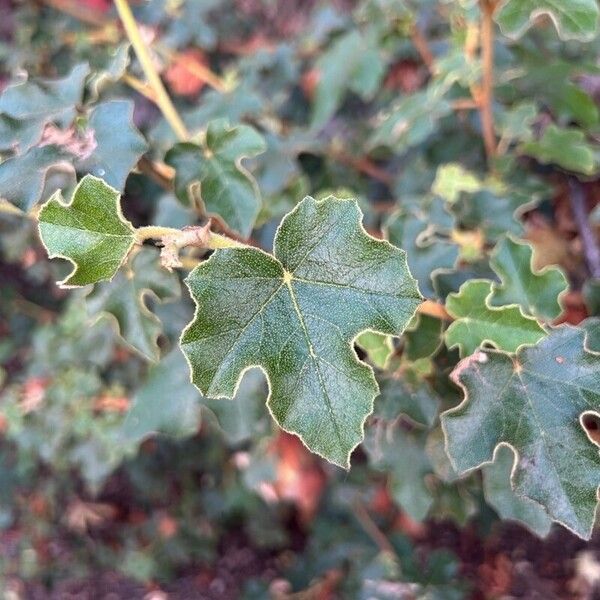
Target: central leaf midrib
[{"x": 314, "y": 359}]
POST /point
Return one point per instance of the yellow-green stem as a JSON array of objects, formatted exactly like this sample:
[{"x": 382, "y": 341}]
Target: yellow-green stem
[{"x": 162, "y": 98}]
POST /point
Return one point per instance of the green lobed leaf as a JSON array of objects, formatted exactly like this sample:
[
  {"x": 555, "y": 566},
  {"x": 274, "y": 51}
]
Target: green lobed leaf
[
  {"x": 26, "y": 107},
  {"x": 226, "y": 188},
  {"x": 424, "y": 236},
  {"x": 537, "y": 294},
  {"x": 422, "y": 337},
  {"x": 499, "y": 495},
  {"x": 166, "y": 402},
  {"x": 90, "y": 232},
  {"x": 401, "y": 452},
  {"x": 534, "y": 403},
  {"x": 415, "y": 400},
  {"x": 295, "y": 314},
  {"x": 573, "y": 19},
  {"x": 119, "y": 144},
  {"x": 477, "y": 322},
  {"x": 592, "y": 329},
  {"x": 411, "y": 121},
  {"x": 125, "y": 299},
  {"x": 23, "y": 178},
  {"x": 352, "y": 62},
  {"x": 564, "y": 146}
]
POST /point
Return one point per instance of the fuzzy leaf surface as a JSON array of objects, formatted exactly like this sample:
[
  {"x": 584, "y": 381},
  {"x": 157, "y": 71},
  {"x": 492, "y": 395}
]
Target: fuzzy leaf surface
[
  {"x": 499, "y": 494},
  {"x": 478, "y": 322},
  {"x": 226, "y": 188},
  {"x": 125, "y": 296},
  {"x": 575, "y": 19},
  {"x": 536, "y": 293},
  {"x": 533, "y": 403},
  {"x": 295, "y": 314},
  {"x": 90, "y": 232}
]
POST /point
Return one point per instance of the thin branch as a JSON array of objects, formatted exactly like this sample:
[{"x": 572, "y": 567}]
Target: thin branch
[
  {"x": 162, "y": 98},
  {"x": 195, "y": 68},
  {"x": 591, "y": 250},
  {"x": 486, "y": 96},
  {"x": 370, "y": 527},
  {"x": 422, "y": 45},
  {"x": 434, "y": 309},
  {"x": 173, "y": 240},
  {"x": 160, "y": 173},
  {"x": 364, "y": 165}
]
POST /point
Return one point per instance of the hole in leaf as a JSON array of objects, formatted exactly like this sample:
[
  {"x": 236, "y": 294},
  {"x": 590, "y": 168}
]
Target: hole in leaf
[{"x": 590, "y": 422}]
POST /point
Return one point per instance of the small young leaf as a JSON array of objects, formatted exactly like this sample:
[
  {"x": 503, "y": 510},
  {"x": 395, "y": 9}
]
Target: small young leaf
[
  {"x": 477, "y": 322},
  {"x": 537, "y": 294},
  {"x": 499, "y": 495},
  {"x": 125, "y": 299},
  {"x": 452, "y": 179},
  {"x": 90, "y": 232},
  {"x": 295, "y": 314},
  {"x": 226, "y": 188},
  {"x": 574, "y": 19},
  {"x": 534, "y": 403},
  {"x": 377, "y": 346}
]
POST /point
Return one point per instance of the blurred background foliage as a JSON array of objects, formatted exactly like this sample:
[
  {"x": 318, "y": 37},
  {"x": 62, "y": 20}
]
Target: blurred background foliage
[{"x": 115, "y": 474}]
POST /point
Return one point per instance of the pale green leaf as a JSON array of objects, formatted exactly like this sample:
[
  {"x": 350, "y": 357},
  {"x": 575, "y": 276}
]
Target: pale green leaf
[
  {"x": 537, "y": 293},
  {"x": 573, "y": 19},
  {"x": 564, "y": 146},
  {"x": 125, "y": 299},
  {"x": 477, "y": 322},
  {"x": 295, "y": 314},
  {"x": 226, "y": 189},
  {"x": 534, "y": 403},
  {"x": 452, "y": 179},
  {"x": 500, "y": 495},
  {"x": 378, "y": 347},
  {"x": 90, "y": 232}
]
